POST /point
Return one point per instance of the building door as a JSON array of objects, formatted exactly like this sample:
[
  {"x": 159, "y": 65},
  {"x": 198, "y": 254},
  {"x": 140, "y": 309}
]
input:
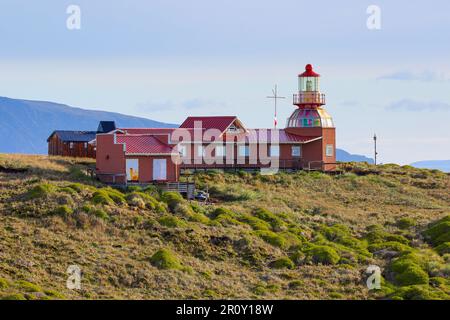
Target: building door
[
  {"x": 132, "y": 169},
  {"x": 159, "y": 169}
]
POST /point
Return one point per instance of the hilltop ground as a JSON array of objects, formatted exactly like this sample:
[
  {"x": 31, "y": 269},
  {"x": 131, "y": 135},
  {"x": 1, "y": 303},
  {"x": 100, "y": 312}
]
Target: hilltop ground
[{"x": 287, "y": 236}]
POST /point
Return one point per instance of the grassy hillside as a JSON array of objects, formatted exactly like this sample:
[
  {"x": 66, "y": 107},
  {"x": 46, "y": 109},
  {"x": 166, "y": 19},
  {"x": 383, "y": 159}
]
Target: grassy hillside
[{"x": 287, "y": 236}]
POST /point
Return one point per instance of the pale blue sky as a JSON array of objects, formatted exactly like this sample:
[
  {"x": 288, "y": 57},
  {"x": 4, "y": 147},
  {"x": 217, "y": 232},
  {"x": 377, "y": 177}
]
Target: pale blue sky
[{"x": 168, "y": 59}]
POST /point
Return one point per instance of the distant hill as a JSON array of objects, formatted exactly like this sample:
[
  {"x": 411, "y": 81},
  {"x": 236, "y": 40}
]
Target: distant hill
[
  {"x": 25, "y": 125},
  {"x": 443, "y": 165},
  {"x": 344, "y": 156}
]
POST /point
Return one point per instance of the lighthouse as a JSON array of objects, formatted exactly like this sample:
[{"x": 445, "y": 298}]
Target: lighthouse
[{"x": 311, "y": 119}]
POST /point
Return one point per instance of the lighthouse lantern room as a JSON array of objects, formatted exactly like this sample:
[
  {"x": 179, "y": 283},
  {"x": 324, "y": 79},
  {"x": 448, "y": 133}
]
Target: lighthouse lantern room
[{"x": 309, "y": 101}]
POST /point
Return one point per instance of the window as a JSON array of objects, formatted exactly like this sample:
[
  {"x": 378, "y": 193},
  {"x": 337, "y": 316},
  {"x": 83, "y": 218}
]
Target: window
[
  {"x": 132, "y": 167},
  {"x": 159, "y": 169},
  {"x": 232, "y": 128},
  {"x": 329, "y": 150},
  {"x": 200, "y": 151},
  {"x": 244, "y": 151},
  {"x": 71, "y": 145},
  {"x": 85, "y": 145},
  {"x": 275, "y": 151},
  {"x": 182, "y": 151},
  {"x": 220, "y": 151},
  {"x": 296, "y": 151}
]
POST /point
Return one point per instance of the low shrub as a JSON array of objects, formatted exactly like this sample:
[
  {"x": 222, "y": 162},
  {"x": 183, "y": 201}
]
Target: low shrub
[
  {"x": 406, "y": 223},
  {"x": 282, "y": 263},
  {"x": 165, "y": 259},
  {"x": 28, "y": 286},
  {"x": 40, "y": 191},
  {"x": 171, "y": 221},
  {"x": 276, "y": 223},
  {"x": 376, "y": 234},
  {"x": 15, "y": 296},
  {"x": 408, "y": 271},
  {"x": 100, "y": 213},
  {"x": 224, "y": 216},
  {"x": 322, "y": 254},
  {"x": 390, "y": 245},
  {"x": 412, "y": 275},
  {"x": 54, "y": 294},
  {"x": 101, "y": 197},
  {"x": 443, "y": 248},
  {"x": 417, "y": 292},
  {"x": 295, "y": 284},
  {"x": 63, "y": 211},
  {"x": 4, "y": 283},
  {"x": 438, "y": 232},
  {"x": 173, "y": 199},
  {"x": 271, "y": 238},
  {"x": 255, "y": 223}
]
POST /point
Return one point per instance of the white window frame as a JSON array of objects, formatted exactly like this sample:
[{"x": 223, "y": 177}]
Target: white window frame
[
  {"x": 244, "y": 151},
  {"x": 159, "y": 169},
  {"x": 294, "y": 154},
  {"x": 329, "y": 150},
  {"x": 275, "y": 150}
]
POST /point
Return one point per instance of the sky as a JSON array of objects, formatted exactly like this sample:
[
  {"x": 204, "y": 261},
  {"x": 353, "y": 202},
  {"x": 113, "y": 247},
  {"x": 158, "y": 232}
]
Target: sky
[{"x": 167, "y": 59}]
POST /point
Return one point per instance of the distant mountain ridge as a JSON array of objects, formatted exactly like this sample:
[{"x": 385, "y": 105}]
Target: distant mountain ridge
[
  {"x": 344, "y": 156},
  {"x": 25, "y": 125},
  {"x": 443, "y": 165}
]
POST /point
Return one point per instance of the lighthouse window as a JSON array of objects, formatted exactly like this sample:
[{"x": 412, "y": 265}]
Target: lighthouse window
[
  {"x": 329, "y": 150},
  {"x": 305, "y": 122},
  {"x": 316, "y": 122}
]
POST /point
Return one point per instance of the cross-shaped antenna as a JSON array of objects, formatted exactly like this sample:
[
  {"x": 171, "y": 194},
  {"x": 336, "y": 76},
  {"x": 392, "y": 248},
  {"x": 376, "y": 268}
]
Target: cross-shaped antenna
[{"x": 275, "y": 97}]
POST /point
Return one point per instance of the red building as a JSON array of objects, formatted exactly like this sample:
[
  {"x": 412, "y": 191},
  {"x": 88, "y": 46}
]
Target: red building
[
  {"x": 151, "y": 154},
  {"x": 76, "y": 143}
]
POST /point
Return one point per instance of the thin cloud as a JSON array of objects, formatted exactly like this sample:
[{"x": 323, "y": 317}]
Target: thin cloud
[
  {"x": 418, "y": 106},
  {"x": 169, "y": 105},
  {"x": 424, "y": 76}
]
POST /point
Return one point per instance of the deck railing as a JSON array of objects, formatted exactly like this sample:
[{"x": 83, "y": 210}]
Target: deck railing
[{"x": 309, "y": 98}]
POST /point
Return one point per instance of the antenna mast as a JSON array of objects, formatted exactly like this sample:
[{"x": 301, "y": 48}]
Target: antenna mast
[
  {"x": 275, "y": 97},
  {"x": 375, "y": 148}
]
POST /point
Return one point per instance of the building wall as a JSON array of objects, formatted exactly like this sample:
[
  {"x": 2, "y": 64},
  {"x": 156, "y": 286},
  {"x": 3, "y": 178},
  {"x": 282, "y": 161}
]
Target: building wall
[
  {"x": 316, "y": 150},
  {"x": 56, "y": 147},
  {"x": 110, "y": 160},
  {"x": 146, "y": 168},
  {"x": 111, "y": 163}
]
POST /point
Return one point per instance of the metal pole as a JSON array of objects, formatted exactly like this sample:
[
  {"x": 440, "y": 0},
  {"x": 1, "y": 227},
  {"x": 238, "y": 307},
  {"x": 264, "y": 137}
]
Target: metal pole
[{"x": 375, "y": 148}]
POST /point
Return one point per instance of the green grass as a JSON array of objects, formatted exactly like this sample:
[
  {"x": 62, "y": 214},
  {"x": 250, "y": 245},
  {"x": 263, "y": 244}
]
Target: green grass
[{"x": 286, "y": 236}]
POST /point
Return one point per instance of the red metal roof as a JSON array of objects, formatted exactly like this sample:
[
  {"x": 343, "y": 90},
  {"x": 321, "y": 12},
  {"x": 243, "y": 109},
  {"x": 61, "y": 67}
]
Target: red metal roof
[
  {"x": 309, "y": 72},
  {"x": 271, "y": 136},
  {"x": 214, "y": 122},
  {"x": 143, "y": 144},
  {"x": 147, "y": 130}
]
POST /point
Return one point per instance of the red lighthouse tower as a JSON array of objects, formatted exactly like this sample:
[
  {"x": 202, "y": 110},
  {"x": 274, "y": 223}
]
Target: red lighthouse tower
[{"x": 311, "y": 119}]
